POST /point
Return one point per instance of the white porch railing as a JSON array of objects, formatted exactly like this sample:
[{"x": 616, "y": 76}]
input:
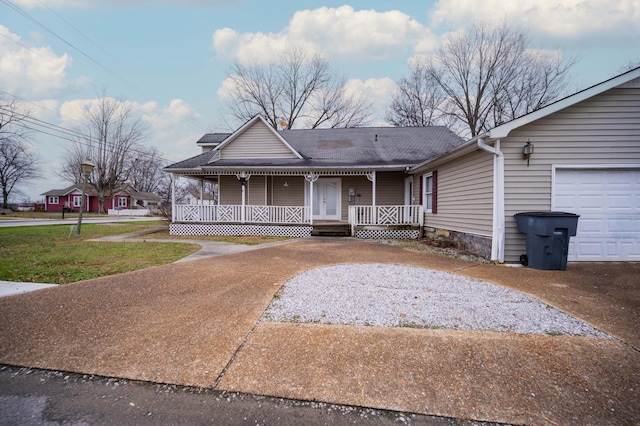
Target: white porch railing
[
  {"x": 242, "y": 214},
  {"x": 386, "y": 215},
  {"x": 358, "y": 215}
]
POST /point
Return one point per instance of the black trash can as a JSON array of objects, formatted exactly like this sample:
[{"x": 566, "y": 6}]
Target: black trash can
[{"x": 547, "y": 238}]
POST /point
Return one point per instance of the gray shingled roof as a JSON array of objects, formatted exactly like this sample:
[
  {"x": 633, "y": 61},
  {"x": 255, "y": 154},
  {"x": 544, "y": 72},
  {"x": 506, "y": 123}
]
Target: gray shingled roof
[
  {"x": 209, "y": 138},
  {"x": 351, "y": 147},
  {"x": 65, "y": 191}
]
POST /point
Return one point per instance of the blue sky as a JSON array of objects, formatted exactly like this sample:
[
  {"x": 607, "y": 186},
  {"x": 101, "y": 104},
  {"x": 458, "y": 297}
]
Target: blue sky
[{"x": 170, "y": 58}]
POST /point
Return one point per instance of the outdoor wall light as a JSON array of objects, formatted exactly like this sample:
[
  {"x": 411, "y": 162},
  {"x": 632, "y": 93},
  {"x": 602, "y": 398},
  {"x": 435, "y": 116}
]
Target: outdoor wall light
[
  {"x": 286, "y": 184},
  {"x": 527, "y": 151},
  {"x": 243, "y": 178}
]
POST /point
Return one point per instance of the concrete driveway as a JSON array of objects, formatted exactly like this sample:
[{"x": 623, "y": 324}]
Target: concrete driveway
[{"x": 197, "y": 323}]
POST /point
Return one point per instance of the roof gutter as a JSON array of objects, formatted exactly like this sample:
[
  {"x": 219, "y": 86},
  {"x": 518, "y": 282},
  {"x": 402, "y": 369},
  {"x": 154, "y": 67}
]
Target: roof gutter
[{"x": 498, "y": 228}]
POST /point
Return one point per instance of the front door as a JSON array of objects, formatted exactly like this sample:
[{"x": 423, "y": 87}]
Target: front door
[{"x": 327, "y": 195}]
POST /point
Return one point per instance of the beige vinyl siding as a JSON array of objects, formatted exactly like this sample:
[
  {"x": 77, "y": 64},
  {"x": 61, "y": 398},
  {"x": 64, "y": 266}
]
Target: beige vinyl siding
[
  {"x": 389, "y": 190},
  {"x": 464, "y": 195},
  {"x": 603, "y": 130},
  {"x": 258, "y": 141},
  {"x": 292, "y": 195},
  {"x": 363, "y": 193},
  {"x": 256, "y": 191},
  {"x": 230, "y": 191}
]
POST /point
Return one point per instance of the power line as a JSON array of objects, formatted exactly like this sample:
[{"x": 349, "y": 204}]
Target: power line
[
  {"x": 194, "y": 121},
  {"x": 76, "y": 29},
  {"x": 70, "y": 135}
]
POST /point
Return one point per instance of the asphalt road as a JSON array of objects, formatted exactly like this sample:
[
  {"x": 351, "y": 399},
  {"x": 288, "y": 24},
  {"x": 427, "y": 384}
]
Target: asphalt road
[{"x": 31, "y": 397}]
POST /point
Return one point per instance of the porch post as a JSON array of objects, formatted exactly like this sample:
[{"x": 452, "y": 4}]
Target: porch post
[
  {"x": 372, "y": 177},
  {"x": 201, "y": 190},
  {"x": 219, "y": 192},
  {"x": 311, "y": 201},
  {"x": 242, "y": 213},
  {"x": 311, "y": 177},
  {"x": 243, "y": 178},
  {"x": 173, "y": 198}
]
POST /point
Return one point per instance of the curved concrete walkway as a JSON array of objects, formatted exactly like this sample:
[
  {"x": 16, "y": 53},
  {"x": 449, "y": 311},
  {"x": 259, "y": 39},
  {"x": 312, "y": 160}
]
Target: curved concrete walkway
[{"x": 198, "y": 323}]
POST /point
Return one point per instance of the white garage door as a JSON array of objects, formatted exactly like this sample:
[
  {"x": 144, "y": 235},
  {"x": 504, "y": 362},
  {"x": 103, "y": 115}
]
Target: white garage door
[{"x": 608, "y": 202}]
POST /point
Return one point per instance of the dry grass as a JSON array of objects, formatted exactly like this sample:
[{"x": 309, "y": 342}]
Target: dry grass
[{"x": 49, "y": 254}]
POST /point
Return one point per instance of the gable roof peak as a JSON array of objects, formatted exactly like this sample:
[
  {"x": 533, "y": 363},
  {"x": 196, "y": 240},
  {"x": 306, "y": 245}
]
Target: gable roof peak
[{"x": 257, "y": 119}]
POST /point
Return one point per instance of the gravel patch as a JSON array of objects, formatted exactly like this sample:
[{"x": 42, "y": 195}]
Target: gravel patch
[{"x": 408, "y": 296}]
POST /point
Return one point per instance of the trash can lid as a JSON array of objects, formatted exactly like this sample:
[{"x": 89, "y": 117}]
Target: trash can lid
[{"x": 547, "y": 214}]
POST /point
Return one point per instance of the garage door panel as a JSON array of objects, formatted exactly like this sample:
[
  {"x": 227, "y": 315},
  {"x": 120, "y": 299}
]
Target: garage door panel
[
  {"x": 590, "y": 225},
  {"x": 624, "y": 227},
  {"x": 566, "y": 204},
  {"x": 619, "y": 203},
  {"x": 608, "y": 202},
  {"x": 620, "y": 178},
  {"x": 589, "y": 202}
]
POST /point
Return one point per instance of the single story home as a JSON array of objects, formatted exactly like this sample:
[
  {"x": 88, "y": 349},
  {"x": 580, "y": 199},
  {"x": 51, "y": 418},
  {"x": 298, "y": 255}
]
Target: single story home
[
  {"x": 580, "y": 155},
  {"x": 295, "y": 182},
  {"x": 70, "y": 199}
]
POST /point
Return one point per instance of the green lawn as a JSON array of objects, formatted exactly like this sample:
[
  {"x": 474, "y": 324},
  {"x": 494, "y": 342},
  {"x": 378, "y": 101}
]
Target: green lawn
[{"x": 48, "y": 254}]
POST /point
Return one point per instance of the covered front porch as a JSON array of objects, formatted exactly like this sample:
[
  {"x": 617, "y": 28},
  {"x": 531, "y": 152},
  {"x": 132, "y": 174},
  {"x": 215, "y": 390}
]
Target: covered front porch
[{"x": 373, "y": 204}]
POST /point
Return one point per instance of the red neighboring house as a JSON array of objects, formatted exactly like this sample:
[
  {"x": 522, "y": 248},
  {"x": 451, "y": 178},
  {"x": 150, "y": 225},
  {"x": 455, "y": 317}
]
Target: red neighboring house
[{"x": 70, "y": 199}]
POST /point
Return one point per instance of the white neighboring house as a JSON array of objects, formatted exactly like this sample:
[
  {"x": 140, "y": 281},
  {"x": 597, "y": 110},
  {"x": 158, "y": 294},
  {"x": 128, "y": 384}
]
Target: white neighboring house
[{"x": 193, "y": 197}]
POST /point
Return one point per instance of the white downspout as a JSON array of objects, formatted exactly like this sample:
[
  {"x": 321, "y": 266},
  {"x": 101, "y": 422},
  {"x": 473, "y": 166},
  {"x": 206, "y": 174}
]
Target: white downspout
[{"x": 498, "y": 233}]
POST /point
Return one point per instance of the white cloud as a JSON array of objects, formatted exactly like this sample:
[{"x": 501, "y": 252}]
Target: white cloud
[
  {"x": 567, "y": 19},
  {"x": 225, "y": 90},
  {"x": 170, "y": 127},
  {"x": 336, "y": 32},
  {"x": 378, "y": 92},
  {"x": 33, "y": 71}
]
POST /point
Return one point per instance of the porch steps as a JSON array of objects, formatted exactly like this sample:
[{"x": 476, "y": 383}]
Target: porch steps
[{"x": 331, "y": 230}]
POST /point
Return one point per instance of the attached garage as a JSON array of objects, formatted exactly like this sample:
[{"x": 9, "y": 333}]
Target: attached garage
[{"x": 608, "y": 202}]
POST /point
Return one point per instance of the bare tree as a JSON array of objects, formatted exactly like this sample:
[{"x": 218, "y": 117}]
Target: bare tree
[
  {"x": 537, "y": 79},
  {"x": 145, "y": 169},
  {"x": 416, "y": 100},
  {"x": 17, "y": 163},
  {"x": 166, "y": 193},
  {"x": 631, "y": 65},
  {"x": 295, "y": 88},
  {"x": 112, "y": 138},
  {"x": 486, "y": 76}
]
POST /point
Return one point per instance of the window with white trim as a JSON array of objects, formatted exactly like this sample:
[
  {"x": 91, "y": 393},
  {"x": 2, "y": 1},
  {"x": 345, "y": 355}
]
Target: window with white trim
[
  {"x": 122, "y": 202},
  {"x": 77, "y": 200},
  {"x": 427, "y": 192},
  {"x": 54, "y": 200}
]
